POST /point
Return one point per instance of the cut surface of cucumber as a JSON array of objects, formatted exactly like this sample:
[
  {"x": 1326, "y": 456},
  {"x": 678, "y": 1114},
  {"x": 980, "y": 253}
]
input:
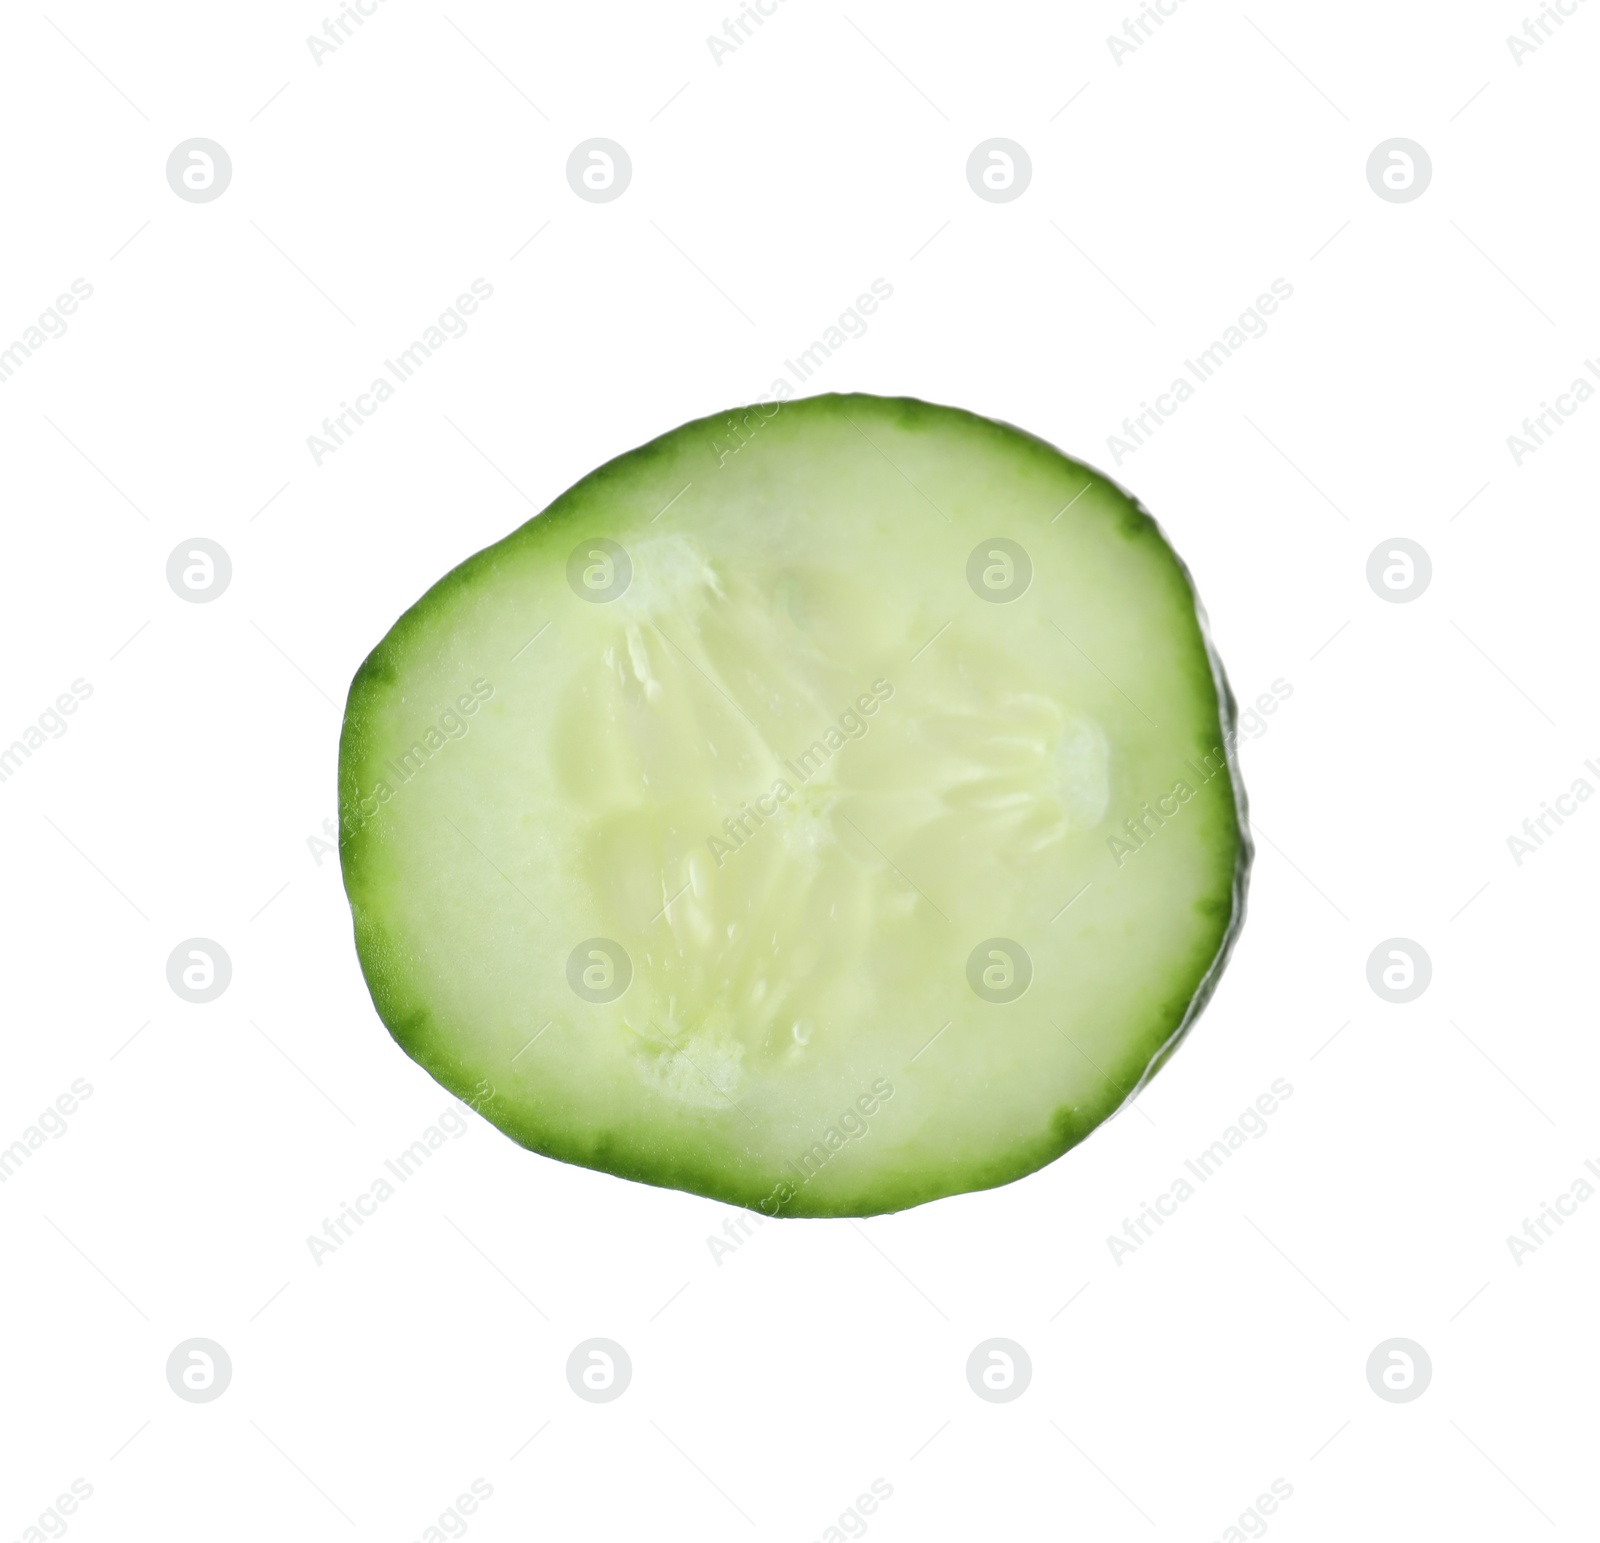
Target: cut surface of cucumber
[{"x": 824, "y": 808}]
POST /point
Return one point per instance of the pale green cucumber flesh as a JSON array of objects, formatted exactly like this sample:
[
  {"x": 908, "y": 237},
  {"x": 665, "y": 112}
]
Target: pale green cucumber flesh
[{"x": 893, "y": 709}]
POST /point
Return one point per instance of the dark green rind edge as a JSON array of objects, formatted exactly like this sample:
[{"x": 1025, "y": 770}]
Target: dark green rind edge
[
  {"x": 1227, "y": 712},
  {"x": 408, "y": 1026}
]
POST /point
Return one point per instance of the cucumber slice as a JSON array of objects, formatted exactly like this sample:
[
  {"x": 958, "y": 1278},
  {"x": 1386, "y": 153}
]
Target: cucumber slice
[{"x": 823, "y": 809}]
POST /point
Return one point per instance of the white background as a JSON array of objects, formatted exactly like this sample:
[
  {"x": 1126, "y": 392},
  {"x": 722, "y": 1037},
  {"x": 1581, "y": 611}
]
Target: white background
[{"x": 771, "y": 1388}]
